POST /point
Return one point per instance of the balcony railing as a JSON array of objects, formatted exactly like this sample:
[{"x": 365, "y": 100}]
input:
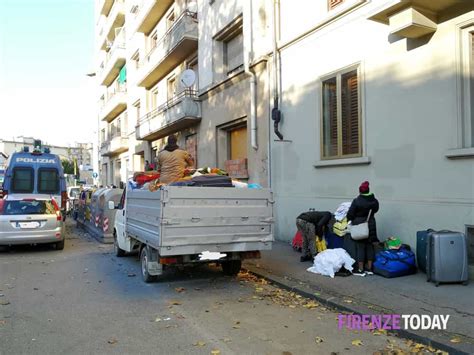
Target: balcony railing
[
  {"x": 115, "y": 104},
  {"x": 148, "y": 13},
  {"x": 115, "y": 19},
  {"x": 183, "y": 110},
  {"x": 178, "y": 42},
  {"x": 114, "y": 61},
  {"x": 115, "y": 144}
]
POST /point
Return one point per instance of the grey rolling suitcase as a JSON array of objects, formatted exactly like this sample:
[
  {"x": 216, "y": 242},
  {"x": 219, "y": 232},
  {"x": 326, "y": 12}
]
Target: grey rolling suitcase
[{"x": 446, "y": 257}]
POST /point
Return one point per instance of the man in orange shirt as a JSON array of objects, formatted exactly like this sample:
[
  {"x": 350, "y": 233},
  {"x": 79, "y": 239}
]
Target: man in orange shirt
[{"x": 172, "y": 161}]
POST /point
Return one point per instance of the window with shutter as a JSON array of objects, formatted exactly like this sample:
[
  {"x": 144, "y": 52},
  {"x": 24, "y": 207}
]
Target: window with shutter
[
  {"x": 234, "y": 52},
  {"x": 472, "y": 88},
  {"x": 340, "y": 127},
  {"x": 333, "y": 3},
  {"x": 330, "y": 117}
]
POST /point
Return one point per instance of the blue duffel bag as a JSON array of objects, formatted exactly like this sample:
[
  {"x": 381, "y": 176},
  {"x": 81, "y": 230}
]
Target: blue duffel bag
[{"x": 395, "y": 263}]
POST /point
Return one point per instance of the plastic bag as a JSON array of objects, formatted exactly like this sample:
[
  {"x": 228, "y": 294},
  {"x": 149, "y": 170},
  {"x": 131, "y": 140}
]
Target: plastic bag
[{"x": 329, "y": 261}]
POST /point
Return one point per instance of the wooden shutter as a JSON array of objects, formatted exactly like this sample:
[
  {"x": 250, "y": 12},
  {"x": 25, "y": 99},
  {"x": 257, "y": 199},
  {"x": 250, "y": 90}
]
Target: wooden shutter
[
  {"x": 238, "y": 143},
  {"x": 329, "y": 118},
  {"x": 333, "y": 3},
  {"x": 350, "y": 113},
  {"x": 235, "y": 52}
]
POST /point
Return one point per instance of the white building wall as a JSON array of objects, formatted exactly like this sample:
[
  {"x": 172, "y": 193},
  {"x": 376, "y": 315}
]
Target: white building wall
[{"x": 410, "y": 120}]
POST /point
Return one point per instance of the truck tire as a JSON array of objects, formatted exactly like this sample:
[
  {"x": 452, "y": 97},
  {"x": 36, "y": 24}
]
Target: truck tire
[
  {"x": 231, "y": 267},
  {"x": 117, "y": 251},
  {"x": 59, "y": 245},
  {"x": 144, "y": 257}
]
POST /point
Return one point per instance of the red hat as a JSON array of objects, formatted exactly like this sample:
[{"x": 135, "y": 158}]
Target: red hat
[{"x": 364, "y": 187}]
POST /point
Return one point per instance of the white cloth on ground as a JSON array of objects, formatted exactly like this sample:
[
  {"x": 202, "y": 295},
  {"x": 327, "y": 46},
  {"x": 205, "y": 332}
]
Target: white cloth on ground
[
  {"x": 342, "y": 210},
  {"x": 330, "y": 261}
]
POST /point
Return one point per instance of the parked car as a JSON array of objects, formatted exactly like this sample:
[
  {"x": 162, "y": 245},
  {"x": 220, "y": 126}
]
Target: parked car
[{"x": 31, "y": 219}]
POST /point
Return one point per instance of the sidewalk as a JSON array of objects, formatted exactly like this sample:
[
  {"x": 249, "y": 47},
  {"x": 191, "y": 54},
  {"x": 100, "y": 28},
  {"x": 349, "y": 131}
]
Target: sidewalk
[{"x": 375, "y": 294}]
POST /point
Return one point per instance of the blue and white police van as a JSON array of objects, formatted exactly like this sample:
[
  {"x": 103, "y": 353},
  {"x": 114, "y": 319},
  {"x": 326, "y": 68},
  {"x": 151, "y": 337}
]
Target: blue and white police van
[{"x": 36, "y": 172}]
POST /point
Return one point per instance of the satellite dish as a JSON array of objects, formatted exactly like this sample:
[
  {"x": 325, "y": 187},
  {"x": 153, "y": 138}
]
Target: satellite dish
[{"x": 188, "y": 78}]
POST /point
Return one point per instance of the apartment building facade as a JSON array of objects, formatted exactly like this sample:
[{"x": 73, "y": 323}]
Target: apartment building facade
[
  {"x": 366, "y": 90},
  {"x": 378, "y": 91},
  {"x": 80, "y": 152},
  {"x": 144, "y": 48}
]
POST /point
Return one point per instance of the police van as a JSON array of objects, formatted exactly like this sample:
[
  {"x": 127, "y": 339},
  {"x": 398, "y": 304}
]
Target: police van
[{"x": 36, "y": 172}]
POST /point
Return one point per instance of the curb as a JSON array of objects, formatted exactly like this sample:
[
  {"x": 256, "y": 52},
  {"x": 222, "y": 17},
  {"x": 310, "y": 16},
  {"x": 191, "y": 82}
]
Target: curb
[{"x": 425, "y": 340}]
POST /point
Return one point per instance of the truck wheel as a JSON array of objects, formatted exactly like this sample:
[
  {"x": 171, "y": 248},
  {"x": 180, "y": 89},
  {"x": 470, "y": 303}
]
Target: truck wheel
[
  {"x": 59, "y": 245},
  {"x": 117, "y": 251},
  {"x": 144, "y": 257},
  {"x": 231, "y": 267}
]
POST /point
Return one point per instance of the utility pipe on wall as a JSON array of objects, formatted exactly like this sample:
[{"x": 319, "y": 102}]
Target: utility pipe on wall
[{"x": 253, "y": 77}]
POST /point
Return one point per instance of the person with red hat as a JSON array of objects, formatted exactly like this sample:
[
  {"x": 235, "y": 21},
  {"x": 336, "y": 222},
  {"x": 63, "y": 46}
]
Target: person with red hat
[{"x": 361, "y": 207}]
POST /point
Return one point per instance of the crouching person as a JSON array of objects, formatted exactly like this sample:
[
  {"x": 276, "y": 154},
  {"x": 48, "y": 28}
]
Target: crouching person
[{"x": 310, "y": 224}]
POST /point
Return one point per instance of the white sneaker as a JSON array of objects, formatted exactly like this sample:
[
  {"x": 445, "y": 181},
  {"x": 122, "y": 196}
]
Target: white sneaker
[
  {"x": 358, "y": 273},
  {"x": 368, "y": 272}
]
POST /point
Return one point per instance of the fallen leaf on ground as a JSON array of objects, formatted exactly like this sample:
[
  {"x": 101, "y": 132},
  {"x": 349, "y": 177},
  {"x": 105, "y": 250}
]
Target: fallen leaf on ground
[
  {"x": 226, "y": 340},
  {"x": 175, "y": 303},
  {"x": 311, "y": 305},
  {"x": 236, "y": 327},
  {"x": 112, "y": 341},
  {"x": 348, "y": 301},
  {"x": 3, "y": 322},
  {"x": 259, "y": 289},
  {"x": 357, "y": 342},
  {"x": 318, "y": 340},
  {"x": 455, "y": 340},
  {"x": 379, "y": 332},
  {"x": 215, "y": 352},
  {"x": 180, "y": 289},
  {"x": 4, "y": 303},
  {"x": 292, "y": 306},
  {"x": 199, "y": 343}
]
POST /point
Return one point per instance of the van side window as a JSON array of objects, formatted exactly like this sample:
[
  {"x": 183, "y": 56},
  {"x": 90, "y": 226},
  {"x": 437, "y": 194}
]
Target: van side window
[
  {"x": 48, "y": 181},
  {"x": 23, "y": 180}
]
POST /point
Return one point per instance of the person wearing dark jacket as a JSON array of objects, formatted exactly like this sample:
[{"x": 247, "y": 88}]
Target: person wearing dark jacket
[
  {"x": 310, "y": 224},
  {"x": 358, "y": 213}
]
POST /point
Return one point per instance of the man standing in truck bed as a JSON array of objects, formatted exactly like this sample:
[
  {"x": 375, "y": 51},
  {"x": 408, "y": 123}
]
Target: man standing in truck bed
[{"x": 172, "y": 161}]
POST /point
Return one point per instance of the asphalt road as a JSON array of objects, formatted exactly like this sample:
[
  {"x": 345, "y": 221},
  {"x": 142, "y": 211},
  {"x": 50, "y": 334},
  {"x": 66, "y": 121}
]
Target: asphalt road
[{"x": 85, "y": 300}]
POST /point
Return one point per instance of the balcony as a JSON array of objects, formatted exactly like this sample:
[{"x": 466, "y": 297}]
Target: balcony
[
  {"x": 115, "y": 145},
  {"x": 173, "y": 48},
  {"x": 105, "y": 6},
  {"x": 149, "y": 13},
  {"x": 183, "y": 111},
  {"x": 115, "y": 19},
  {"x": 409, "y": 23},
  {"x": 116, "y": 103},
  {"x": 114, "y": 62}
]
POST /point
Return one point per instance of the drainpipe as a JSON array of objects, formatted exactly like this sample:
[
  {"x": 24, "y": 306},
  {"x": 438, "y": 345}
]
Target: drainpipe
[
  {"x": 276, "y": 113},
  {"x": 253, "y": 78}
]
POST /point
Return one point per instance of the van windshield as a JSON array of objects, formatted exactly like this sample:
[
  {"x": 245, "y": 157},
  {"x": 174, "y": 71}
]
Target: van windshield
[
  {"x": 22, "y": 180},
  {"x": 48, "y": 181},
  {"x": 24, "y": 207}
]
